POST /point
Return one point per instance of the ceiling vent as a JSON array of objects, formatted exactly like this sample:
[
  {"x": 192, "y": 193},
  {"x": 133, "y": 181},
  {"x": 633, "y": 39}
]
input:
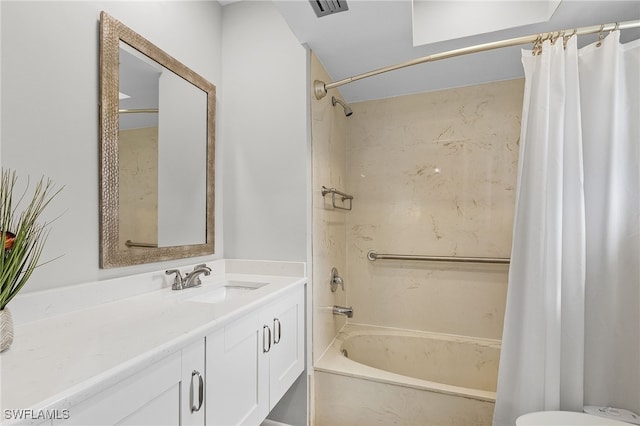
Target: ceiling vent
[{"x": 327, "y": 7}]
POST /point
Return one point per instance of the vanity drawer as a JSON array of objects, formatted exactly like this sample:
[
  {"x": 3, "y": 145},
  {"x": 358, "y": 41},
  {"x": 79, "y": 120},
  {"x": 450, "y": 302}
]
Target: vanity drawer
[{"x": 150, "y": 397}]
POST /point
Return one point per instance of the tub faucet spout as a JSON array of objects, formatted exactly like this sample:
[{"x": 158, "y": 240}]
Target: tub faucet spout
[{"x": 340, "y": 310}]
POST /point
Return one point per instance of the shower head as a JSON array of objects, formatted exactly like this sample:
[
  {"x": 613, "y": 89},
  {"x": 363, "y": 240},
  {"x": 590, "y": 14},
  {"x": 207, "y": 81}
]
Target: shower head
[{"x": 347, "y": 110}]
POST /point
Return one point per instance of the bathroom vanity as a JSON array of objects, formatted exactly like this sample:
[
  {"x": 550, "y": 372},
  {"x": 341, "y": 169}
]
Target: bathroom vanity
[{"x": 218, "y": 354}]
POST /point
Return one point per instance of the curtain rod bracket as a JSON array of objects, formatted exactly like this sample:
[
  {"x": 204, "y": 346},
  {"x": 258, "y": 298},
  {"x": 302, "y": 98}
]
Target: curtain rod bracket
[{"x": 319, "y": 89}]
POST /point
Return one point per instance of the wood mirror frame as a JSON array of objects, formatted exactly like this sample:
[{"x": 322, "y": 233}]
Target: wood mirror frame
[{"x": 112, "y": 255}]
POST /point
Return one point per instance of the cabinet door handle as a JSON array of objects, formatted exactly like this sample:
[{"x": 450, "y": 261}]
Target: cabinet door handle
[
  {"x": 195, "y": 408},
  {"x": 277, "y": 331},
  {"x": 266, "y": 348}
]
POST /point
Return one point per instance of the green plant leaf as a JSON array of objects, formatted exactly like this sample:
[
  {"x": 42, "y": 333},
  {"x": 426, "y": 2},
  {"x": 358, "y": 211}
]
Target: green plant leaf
[{"x": 18, "y": 262}]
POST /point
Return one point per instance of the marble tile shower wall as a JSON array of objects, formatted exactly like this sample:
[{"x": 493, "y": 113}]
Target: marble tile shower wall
[
  {"x": 432, "y": 174},
  {"x": 328, "y": 129}
]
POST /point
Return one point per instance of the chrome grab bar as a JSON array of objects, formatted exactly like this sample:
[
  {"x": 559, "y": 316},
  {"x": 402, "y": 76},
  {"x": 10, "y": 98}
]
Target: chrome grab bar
[
  {"x": 372, "y": 255},
  {"x": 139, "y": 111},
  {"x": 130, "y": 243}
]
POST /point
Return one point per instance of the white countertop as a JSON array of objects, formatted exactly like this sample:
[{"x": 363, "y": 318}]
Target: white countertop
[{"x": 58, "y": 361}]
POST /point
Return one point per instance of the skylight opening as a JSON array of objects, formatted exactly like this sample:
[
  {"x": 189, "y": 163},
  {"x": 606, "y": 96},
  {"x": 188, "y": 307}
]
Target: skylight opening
[{"x": 439, "y": 20}]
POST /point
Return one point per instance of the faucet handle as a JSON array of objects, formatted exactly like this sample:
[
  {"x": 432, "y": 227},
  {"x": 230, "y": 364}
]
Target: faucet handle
[
  {"x": 177, "y": 282},
  {"x": 336, "y": 280},
  {"x": 202, "y": 266}
]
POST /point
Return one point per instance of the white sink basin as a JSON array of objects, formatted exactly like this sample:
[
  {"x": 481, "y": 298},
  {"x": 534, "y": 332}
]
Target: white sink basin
[{"x": 225, "y": 291}]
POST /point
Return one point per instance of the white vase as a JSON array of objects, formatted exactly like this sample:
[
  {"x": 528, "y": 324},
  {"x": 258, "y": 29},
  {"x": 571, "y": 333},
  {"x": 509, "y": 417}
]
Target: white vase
[{"x": 6, "y": 329}]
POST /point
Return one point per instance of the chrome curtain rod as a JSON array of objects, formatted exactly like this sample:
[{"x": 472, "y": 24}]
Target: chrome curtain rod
[
  {"x": 320, "y": 88},
  {"x": 372, "y": 255}
]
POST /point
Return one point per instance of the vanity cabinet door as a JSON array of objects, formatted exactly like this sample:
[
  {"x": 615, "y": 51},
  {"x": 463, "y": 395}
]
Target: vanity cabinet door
[
  {"x": 286, "y": 355},
  {"x": 149, "y": 397},
  {"x": 192, "y": 399},
  {"x": 237, "y": 377},
  {"x": 253, "y": 361}
]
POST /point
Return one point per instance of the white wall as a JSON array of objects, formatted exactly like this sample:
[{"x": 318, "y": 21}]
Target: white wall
[
  {"x": 264, "y": 132},
  {"x": 266, "y": 150},
  {"x": 49, "y": 121}
]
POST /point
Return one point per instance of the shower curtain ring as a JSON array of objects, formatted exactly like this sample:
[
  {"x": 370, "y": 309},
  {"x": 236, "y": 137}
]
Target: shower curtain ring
[
  {"x": 540, "y": 42},
  {"x": 537, "y": 45},
  {"x": 600, "y": 36},
  {"x": 615, "y": 28},
  {"x": 561, "y": 35},
  {"x": 568, "y": 37}
]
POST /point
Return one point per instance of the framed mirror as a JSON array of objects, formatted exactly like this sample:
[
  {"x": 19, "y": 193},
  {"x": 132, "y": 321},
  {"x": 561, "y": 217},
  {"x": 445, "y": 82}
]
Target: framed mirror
[{"x": 157, "y": 139}]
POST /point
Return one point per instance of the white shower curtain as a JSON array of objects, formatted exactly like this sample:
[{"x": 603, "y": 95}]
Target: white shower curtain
[{"x": 572, "y": 324}]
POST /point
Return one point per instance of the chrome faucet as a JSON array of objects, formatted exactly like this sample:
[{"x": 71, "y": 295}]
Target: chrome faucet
[
  {"x": 340, "y": 310},
  {"x": 177, "y": 281},
  {"x": 191, "y": 279}
]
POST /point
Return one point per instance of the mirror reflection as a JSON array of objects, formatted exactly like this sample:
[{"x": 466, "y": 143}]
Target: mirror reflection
[
  {"x": 157, "y": 153},
  {"x": 162, "y": 161}
]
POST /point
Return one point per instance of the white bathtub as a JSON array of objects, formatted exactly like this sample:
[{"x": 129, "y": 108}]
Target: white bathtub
[{"x": 401, "y": 377}]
